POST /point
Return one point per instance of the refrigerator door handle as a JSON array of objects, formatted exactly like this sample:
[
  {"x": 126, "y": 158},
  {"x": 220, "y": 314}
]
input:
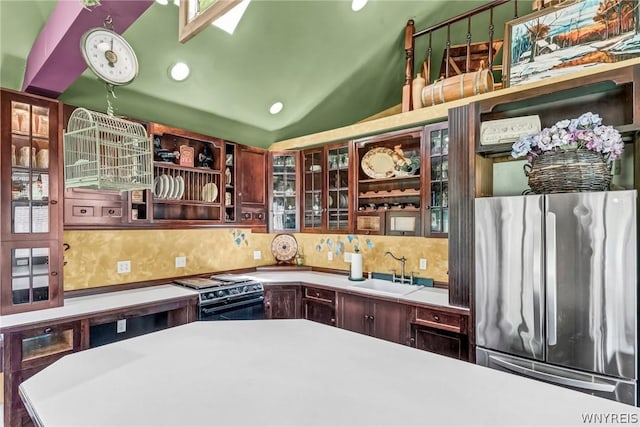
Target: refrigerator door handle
[
  {"x": 552, "y": 302},
  {"x": 555, "y": 379}
]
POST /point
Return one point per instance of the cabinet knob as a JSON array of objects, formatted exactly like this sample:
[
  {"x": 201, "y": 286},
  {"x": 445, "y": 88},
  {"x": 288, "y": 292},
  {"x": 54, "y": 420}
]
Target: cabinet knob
[
  {"x": 54, "y": 202},
  {"x": 317, "y": 294},
  {"x": 111, "y": 211},
  {"x": 412, "y": 340},
  {"x": 83, "y": 211},
  {"x": 366, "y": 316},
  {"x": 47, "y": 330},
  {"x": 332, "y": 320},
  {"x": 436, "y": 317},
  {"x": 371, "y": 318},
  {"x": 54, "y": 273}
]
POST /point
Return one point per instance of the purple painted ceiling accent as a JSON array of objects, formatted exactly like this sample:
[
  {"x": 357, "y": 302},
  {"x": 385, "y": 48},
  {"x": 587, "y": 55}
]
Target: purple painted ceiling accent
[{"x": 55, "y": 60}]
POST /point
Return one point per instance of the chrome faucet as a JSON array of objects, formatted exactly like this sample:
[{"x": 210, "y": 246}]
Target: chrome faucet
[{"x": 402, "y": 278}]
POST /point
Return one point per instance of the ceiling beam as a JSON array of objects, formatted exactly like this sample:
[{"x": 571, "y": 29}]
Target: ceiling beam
[{"x": 55, "y": 60}]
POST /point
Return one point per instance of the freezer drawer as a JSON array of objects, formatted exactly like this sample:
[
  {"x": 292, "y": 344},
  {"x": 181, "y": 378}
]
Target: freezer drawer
[{"x": 597, "y": 385}]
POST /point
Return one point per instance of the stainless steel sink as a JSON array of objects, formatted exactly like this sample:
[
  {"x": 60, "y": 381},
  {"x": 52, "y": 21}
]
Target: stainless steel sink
[{"x": 385, "y": 287}]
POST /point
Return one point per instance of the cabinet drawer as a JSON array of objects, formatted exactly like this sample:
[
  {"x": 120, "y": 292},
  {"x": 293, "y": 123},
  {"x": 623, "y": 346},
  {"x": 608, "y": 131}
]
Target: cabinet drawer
[
  {"x": 438, "y": 319},
  {"x": 112, "y": 211},
  {"x": 320, "y": 294},
  {"x": 92, "y": 212},
  {"x": 253, "y": 216},
  {"x": 82, "y": 211}
]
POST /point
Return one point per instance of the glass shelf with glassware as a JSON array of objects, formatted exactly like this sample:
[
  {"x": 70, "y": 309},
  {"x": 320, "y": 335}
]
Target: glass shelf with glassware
[{"x": 284, "y": 191}]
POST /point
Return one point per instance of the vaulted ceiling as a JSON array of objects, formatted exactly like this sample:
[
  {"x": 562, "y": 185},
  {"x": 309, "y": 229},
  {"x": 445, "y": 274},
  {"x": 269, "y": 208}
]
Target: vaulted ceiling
[{"x": 330, "y": 66}]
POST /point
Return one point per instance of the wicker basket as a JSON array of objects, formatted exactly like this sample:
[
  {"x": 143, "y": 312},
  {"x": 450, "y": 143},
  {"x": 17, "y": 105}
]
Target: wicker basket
[{"x": 568, "y": 171}]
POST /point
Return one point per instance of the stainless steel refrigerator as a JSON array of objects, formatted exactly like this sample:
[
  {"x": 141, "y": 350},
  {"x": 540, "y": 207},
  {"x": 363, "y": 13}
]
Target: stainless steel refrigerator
[{"x": 555, "y": 292}]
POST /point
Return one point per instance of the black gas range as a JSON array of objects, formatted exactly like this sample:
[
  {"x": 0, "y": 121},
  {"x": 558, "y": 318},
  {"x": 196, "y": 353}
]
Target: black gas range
[{"x": 227, "y": 297}]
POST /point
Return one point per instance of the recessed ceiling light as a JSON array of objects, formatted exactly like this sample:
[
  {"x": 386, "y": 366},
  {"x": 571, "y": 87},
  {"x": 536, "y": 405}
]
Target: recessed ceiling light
[
  {"x": 276, "y": 108},
  {"x": 179, "y": 71},
  {"x": 163, "y": 2},
  {"x": 229, "y": 21},
  {"x": 356, "y": 5}
]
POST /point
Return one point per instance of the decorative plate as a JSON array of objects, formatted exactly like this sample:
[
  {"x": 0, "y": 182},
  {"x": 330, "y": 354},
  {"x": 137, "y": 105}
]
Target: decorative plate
[
  {"x": 210, "y": 192},
  {"x": 284, "y": 247},
  {"x": 157, "y": 187},
  {"x": 378, "y": 163},
  {"x": 180, "y": 182}
]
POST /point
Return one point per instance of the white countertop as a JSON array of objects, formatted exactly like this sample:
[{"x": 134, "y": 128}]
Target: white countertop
[
  {"x": 425, "y": 295},
  {"x": 289, "y": 373},
  {"x": 79, "y": 306}
]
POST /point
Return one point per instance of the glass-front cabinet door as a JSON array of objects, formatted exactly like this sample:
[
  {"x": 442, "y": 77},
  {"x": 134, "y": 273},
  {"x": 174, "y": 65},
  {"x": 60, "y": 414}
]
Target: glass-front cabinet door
[
  {"x": 284, "y": 192},
  {"x": 31, "y": 235},
  {"x": 33, "y": 185},
  {"x": 312, "y": 179},
  {"x": 338, "y": 188},
  {"x": 437, "y": 180}
]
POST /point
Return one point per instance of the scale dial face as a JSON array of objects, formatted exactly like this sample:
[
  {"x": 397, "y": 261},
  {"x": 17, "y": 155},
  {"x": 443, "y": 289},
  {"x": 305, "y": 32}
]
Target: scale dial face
[
  {"x": 284, "y": 247},
  {"x": 109, "y": 56}
]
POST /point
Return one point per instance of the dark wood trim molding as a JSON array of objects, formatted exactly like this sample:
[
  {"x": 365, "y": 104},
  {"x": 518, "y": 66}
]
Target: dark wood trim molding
[{"x": 461, "y": 190}]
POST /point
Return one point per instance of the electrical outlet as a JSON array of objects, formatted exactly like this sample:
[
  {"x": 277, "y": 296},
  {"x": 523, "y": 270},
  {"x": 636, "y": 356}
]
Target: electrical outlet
[
  {"x": 347, "y": 257},
  {"x": 124, "y": 267},
  {"x": 423, "y": 263},
  {"x": 330, "y": 256},
  {"x": 181, "y": 261},
  {"x": 257, "y": 254},
  {"x": 121, "y": 326}
]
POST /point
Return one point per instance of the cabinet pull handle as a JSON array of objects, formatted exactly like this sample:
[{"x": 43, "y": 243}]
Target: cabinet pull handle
[
  {"x": 83, "y": 211},
  {"x": 47, "y": 330},
  {"x": 54, "y": 202},
  {"x": 54, "y": 273},
  {"x": 111, "y": 211}
]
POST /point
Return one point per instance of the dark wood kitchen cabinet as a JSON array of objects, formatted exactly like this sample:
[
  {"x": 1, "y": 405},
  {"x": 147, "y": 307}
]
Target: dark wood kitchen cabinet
[
  {"x": 378, "y": 318},
  {"x": 325, "y": 184},
  {"x": 27, "y": 352},
  {"x": 284, "y": 191},
  {"x": 30, "y": 203},
  {"x": 282, "y": 301},
  {"x": 441, "y": 332},
  {"x": 252, "y": 186},
  {"x": 319, "y": 305}
]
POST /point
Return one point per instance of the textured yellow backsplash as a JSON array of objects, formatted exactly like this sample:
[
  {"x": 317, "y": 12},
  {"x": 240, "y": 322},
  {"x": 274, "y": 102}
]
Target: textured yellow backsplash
[{"x": 93, "y": 255}]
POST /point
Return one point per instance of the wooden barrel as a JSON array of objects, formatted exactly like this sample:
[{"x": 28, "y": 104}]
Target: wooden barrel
[{"x": 456, "y": 87}]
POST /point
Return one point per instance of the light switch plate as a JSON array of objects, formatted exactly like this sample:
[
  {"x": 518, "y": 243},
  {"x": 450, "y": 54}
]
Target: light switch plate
[
  {"x": 121, "y": 326},
  {"x": 330, "y": 256},
  {"x": 181, "y": 261},
  {"x": 423, "y": 263},
  {"x": 347, "y": 257},
  {"x": 257, "y": 254}
]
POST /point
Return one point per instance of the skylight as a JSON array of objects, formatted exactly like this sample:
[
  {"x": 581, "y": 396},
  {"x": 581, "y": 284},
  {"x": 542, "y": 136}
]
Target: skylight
[{"x": 229, "y": 21}]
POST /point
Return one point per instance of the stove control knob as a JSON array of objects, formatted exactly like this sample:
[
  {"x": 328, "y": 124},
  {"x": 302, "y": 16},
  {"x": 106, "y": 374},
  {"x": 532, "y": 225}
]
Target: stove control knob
[
  {"x": 256, "y": 287},
  {"x": 219, "y": 293},
  {"x": 234, "y": 291}
]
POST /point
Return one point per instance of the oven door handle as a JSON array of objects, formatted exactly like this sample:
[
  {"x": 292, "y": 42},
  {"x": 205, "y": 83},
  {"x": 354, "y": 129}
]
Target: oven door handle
[{"x": 233, "y": 305}]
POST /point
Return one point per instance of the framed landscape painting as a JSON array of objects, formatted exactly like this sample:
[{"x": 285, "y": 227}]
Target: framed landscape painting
[
  {"x": 570, "y": 37},
  {"x": 196, "y": 15}
]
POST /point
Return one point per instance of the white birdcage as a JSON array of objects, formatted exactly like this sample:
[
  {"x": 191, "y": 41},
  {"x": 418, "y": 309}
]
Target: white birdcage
[{"x": 106, "y": 152}]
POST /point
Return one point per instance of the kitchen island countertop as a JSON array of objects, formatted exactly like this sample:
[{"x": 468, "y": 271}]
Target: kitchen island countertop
[{"x": 286, "y": 373}]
